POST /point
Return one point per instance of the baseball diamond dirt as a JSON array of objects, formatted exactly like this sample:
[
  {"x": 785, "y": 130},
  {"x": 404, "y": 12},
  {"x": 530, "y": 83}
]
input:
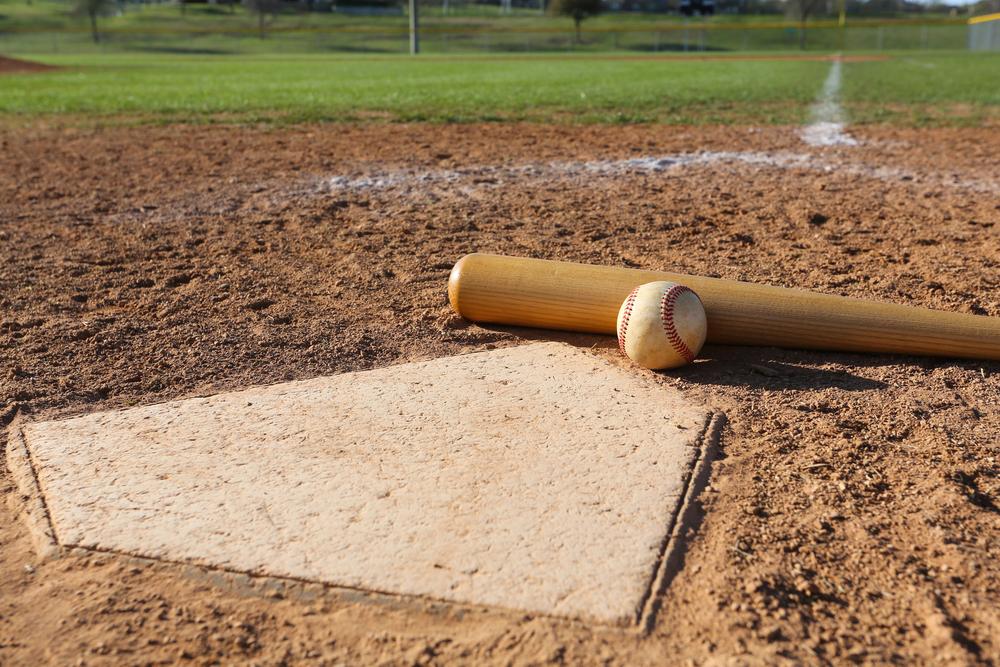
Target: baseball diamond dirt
[
  {"x": 853, "y": 514},
  {"x": 18, "y": 66}
]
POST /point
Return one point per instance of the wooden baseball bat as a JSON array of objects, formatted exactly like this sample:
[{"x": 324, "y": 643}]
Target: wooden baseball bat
[{"x": 582, "y": 297}]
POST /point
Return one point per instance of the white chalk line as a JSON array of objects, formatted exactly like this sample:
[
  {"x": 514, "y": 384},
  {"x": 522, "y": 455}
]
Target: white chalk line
[
  {"x": 484, "y": 176},
  {"x": 828, "y": 120},
  {"x": 826, "y": 129},
  {"x": 476, "y": 178}
]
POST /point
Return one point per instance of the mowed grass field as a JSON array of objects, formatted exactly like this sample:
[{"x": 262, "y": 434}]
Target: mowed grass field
[
  {"x": 960, "y": 88},
  {"x": 940, "y": 88}
]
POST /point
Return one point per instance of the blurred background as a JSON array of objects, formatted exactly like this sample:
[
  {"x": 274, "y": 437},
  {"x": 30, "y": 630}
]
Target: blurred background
[{"x": 222, "y": 27}]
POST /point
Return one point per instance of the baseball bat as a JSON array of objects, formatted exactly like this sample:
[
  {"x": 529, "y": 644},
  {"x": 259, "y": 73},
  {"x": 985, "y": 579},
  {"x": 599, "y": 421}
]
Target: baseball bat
[{"x": 581, "y": 297}]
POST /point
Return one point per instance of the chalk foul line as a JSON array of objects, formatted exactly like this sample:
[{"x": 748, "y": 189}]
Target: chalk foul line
[
  {"x": 828, "y": 119},
  {"x": 483, "y": 177}
]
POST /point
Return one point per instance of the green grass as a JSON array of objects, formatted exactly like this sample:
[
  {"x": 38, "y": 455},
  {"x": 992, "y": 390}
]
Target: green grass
[
  {"x": 957, "y": 88},
  {"x": 320, "y": 88},
  {"x": 940, "y": 89},
  {"x": 956, "y": 78}
]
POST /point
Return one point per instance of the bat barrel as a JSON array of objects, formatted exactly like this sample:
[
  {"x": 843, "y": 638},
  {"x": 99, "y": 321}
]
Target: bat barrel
[{"x": 581, "y": 297}]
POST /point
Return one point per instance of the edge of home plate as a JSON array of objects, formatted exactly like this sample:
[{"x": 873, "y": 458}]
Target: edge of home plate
[{"x": 539, "y": 478}]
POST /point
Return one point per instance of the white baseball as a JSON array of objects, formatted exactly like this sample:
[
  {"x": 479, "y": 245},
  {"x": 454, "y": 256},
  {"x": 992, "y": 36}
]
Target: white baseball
[{"x": 661, "y": 325}]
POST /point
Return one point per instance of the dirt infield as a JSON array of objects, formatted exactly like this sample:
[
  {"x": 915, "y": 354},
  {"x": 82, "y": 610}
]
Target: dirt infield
[
  {"x": 854, "y": 516},
  {"x": 17, "y": 66}
]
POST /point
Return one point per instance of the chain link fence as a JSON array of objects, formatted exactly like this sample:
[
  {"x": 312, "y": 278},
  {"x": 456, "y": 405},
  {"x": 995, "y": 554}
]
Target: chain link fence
[
  {"x": 679, "y": 38},
  {"x": 984, "y": 33}
]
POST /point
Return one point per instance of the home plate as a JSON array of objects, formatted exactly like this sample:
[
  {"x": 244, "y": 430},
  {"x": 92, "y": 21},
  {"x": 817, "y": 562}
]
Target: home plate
[{"x": 540, "y": 478}]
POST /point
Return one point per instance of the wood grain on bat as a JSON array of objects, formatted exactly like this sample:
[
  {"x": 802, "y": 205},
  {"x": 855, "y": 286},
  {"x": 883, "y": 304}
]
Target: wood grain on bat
[{"x": 581, "y": 297}]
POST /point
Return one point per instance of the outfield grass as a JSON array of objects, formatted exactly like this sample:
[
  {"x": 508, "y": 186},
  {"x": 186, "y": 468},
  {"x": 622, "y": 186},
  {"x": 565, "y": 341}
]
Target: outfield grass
[
  {"x": 944, "y": 89},
  {"x": 318, "y": 88},
  {"x": 962, "y": 78}
]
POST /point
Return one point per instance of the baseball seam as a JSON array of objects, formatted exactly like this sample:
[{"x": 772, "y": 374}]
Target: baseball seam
[
  {"x": 667, "y": 304},
  {"x": 629, "y": 302}
]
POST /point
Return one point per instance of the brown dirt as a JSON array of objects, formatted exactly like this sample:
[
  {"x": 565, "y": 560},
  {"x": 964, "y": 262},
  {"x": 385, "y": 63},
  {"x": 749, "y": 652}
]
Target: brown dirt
[
  {"x": 17, "y": 66},
  {"x": 854, "y": 515}
]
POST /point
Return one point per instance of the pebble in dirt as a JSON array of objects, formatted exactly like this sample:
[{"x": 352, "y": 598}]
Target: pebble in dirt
[{"x": 537, "y": 477}]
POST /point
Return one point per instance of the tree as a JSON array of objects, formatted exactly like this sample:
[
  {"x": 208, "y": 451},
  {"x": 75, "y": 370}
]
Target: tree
[
  {"x": 802, "y": 10},
  {"x": 93, "y": 9},
  {"x": 578, "y": 10},
  {"x": 266, "y": 11}
]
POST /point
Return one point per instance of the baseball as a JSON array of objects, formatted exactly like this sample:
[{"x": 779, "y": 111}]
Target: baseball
[{"x": 661, "y": 325}]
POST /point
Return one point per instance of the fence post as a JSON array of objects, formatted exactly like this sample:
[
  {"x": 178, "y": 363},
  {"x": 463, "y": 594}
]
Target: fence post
[{"x": 414, "y": 25}]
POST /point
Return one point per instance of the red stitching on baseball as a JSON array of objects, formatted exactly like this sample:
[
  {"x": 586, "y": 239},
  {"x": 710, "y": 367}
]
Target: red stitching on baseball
[
  {"x": 667, "y": 304},
  {"x": 629, "y": 302}
]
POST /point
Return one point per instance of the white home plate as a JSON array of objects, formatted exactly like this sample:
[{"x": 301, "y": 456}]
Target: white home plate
[{"x": 538, "y": 477}]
